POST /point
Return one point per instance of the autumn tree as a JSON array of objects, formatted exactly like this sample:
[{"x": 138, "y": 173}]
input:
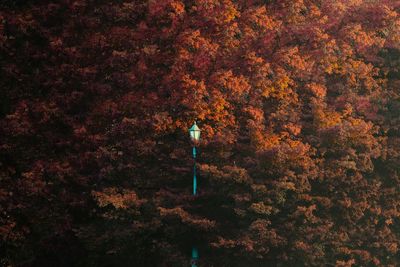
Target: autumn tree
[{"x": 298, "y": 103}]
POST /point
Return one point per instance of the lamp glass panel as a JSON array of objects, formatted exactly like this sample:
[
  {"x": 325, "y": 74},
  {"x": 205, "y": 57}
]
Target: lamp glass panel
[{"x": 197, "y": 135}]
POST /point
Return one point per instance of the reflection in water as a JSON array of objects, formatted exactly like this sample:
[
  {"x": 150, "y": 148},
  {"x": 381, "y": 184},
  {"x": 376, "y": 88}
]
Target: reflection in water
[{"x": 195, "y": 257}]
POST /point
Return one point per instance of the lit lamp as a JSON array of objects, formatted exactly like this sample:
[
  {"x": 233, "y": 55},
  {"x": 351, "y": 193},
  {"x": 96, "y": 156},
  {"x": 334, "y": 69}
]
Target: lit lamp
[{"x": 194, "y": 133}]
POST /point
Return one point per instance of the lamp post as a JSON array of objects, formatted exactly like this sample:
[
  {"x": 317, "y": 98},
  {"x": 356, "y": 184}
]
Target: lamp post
[{"x": 194, "y": 133}]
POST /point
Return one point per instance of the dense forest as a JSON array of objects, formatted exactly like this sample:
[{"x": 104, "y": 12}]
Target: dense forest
[{"x": 299, "y": 158}]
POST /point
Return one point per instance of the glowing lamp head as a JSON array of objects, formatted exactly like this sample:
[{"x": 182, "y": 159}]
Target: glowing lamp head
[{"x": 194, "y": 133}]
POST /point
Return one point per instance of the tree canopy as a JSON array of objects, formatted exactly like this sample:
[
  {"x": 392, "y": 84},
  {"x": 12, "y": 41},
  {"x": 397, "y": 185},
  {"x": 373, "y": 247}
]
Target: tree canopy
[{"x": 298, "y": 102}]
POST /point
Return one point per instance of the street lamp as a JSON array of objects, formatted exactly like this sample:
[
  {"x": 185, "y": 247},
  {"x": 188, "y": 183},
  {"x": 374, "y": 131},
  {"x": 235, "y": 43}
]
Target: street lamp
[{"x": 194, "y": 133}]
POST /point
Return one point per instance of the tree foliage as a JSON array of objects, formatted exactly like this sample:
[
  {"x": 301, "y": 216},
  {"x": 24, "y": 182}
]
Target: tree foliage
[{"x": 298, "y": 103}]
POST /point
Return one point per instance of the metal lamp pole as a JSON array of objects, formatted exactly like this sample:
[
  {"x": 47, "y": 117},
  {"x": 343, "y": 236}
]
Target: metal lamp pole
[{"x": 195, "y": 256}]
